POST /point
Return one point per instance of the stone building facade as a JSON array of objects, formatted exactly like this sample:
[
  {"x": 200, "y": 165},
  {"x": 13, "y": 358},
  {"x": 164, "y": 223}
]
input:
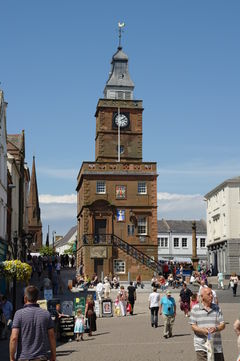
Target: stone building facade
[
  {"x": 3, "y": 183},
  {"x": 223, "y": 226},
  {"x": 175, "y": 240},
  {"x": 117, "y": 194}
]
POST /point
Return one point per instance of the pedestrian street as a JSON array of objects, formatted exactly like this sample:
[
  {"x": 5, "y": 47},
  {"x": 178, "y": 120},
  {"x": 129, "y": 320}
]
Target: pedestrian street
[{"x": 132, "y": 337}]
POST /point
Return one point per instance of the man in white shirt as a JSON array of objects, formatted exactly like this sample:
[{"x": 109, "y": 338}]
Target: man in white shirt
[
  {"x": 154, "y": 300},
  {"x": 202, "y": 285},
  {"x": 215, "y": 299}
]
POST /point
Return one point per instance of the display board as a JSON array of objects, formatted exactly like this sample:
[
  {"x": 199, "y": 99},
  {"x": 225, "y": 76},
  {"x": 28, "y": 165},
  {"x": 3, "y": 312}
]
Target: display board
[
  {"x": 67, "y": 308},
  {"x": 51, "y": 306},
  {"x": 42, "y": 304},
  {"x": 66, "y": 327},
  {"x": 79, "y": 303},
  {"x": 107, "y": 310},
  {"x": 48, "y": 294}
]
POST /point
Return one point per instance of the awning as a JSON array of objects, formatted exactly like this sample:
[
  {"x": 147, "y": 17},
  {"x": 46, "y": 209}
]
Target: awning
[{"x": 182, "y": 259}]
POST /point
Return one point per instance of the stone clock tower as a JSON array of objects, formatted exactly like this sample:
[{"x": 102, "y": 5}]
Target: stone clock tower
[{"x": 117, "y": 194}]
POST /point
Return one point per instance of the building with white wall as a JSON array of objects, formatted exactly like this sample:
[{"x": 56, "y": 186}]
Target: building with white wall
[
  {"x": 223, "y": 226},
  {"x": 67, "y": 241},
  {"x": 3, "y": 178},
  {"x": 175, "y": 240}
]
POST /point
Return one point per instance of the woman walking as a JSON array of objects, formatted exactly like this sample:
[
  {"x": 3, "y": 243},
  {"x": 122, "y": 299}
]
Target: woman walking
[
  {"x": 234, "y": 283},
  {"x": 123, "y": 297},
  {"x": 90, "y": 315},
  {"x": 185, "y": 298}
]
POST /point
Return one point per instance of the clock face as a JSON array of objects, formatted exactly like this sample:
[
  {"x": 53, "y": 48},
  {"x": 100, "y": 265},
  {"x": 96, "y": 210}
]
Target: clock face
[{"x": 121, "y": 120}]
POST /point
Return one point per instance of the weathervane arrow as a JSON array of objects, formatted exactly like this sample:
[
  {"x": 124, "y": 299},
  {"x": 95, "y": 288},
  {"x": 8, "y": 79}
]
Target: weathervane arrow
[{"x": 120, "y": 30}]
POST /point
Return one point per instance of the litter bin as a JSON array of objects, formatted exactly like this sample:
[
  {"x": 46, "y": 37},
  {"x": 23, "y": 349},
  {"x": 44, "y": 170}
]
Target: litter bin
[{"x": 107, "y": 310}]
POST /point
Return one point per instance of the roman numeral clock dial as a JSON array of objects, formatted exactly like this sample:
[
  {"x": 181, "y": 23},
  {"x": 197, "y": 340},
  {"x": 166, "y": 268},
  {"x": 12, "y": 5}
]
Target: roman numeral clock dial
[{"x": 121, "y": 120}]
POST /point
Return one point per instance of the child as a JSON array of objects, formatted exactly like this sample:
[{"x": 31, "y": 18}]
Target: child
[
  {"x": 194, "y": 301},
  {"x": 79, "y": 325}
]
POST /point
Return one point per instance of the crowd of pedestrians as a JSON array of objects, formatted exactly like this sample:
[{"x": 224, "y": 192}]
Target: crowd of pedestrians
[
  {"x": 199, "y": 302},
  {"x": 196, "y": 298}
]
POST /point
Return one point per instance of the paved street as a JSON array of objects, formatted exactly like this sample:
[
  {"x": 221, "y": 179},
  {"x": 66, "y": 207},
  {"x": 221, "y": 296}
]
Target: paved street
[{"x": 133, "y": 338}]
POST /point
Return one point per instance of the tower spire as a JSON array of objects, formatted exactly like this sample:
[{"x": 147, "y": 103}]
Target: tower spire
[
  {"x": 120, "y": 31},
  {"x": 119, "y": 84},
  {"x": 34, "y": 212}
]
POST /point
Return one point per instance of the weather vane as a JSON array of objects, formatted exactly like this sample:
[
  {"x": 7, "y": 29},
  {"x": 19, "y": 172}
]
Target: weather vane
[{"x": 120, "y": 31}]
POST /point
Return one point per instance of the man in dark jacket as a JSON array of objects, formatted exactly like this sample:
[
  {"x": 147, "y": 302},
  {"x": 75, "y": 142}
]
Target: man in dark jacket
[{"x": 131, "y": 296}]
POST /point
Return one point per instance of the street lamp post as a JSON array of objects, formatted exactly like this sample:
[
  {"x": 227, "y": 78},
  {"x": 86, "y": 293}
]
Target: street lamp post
[{"x": 15, "y": 245}]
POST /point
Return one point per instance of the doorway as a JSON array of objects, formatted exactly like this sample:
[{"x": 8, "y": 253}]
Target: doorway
[
  {"x": 98, "y": 267},
  {"x": 100, "y": 230}
]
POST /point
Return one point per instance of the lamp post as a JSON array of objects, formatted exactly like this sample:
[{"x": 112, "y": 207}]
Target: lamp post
[
  {"x": 195, "y": 258},
  {"x": 14, "y": 295}
]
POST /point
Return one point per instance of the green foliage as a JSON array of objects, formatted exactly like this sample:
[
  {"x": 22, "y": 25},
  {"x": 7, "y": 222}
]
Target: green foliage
[
  {"x": 70, "y": 250},
  {"x": 46, "y": 251},
  {"x": 15, "y": 268}
]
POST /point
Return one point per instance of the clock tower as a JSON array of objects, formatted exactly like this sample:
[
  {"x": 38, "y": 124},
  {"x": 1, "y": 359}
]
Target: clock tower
[
  {"x": 117, "y": 193},
  {"x": 118, "y": 116}
]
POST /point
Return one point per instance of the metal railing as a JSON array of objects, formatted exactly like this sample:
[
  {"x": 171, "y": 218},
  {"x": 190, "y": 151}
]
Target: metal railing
[{"x": 112, "y": 239}]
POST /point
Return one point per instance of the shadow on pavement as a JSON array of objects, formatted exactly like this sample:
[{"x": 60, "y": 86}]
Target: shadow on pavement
[
  {"x": 182, "y": 334},
  {"x": 65, "y": 353}
]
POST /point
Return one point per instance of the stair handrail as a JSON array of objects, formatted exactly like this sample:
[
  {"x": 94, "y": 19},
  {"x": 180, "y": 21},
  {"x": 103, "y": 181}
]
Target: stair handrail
[{"x": 147, "y": 260}]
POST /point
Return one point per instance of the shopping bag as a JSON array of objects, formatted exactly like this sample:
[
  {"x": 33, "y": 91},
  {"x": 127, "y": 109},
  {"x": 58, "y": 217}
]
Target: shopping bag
[
  {"x": 129, "y": 308},
  {"x": 86, "y": 326},
  {"x": 210, "y": 349},
  {"x": 117, "y": 311}
]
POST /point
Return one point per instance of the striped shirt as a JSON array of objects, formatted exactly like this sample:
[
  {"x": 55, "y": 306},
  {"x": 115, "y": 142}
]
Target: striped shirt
[
  {"x": 204, "y": 318},
  {"x": 33, "y": 324}
]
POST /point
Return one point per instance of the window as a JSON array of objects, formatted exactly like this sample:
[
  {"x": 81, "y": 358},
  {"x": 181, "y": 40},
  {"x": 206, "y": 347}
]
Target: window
[
  {"x": 175, "y": 242},
  {"x": 202, "y": 242},
  {"x": 163, "y": 242},
  {"x": 101, "y": 187},
  {"x": 120, "y": 95},
  {"x": 142, "y": 225},
  {"x": 130, "y": 229},
  {"x": 118, "y": 266},
  {"x": 184, "y": 242},
  {"x": 142, "y": 188}
]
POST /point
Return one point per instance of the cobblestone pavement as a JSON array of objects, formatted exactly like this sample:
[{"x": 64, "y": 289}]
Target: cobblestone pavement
[{"x": 132, "y": 338}]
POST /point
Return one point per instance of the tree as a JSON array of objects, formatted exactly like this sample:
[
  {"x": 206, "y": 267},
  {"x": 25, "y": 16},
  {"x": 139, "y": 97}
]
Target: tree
[{"x": 47, "y": 251}]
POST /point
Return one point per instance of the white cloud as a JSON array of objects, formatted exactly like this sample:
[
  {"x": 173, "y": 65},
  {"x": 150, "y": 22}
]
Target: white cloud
[
  {"x": 61, "y": 211},
  {"x": 58, "y": 212},
  {"x": 177, "y": 197},
  {"x": 181, "y": 206},
  {"x": 60, "y": 173},
  {"x": 225, "y": 169},
  {"x": 65, "y": 199}
]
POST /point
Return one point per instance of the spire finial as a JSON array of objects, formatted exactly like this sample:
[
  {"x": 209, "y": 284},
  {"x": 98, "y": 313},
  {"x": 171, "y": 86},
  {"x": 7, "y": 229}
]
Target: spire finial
[{"x": 120, "y": 31}]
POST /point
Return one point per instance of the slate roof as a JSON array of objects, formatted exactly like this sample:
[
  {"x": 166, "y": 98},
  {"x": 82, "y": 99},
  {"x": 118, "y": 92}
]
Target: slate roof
[
  {"x": 16, "y": 140},
  {"x": 119, "y": 75},
  {"x": 67, "y": 237},
  {"x": 178, "y": 226}
]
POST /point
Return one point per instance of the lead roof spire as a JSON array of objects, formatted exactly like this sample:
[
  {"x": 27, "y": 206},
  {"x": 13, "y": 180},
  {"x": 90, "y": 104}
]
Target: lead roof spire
[{"x": 119, "y": 84}]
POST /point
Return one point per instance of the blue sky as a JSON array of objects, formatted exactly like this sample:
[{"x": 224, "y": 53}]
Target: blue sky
[{"x": 184, "y": 59}]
